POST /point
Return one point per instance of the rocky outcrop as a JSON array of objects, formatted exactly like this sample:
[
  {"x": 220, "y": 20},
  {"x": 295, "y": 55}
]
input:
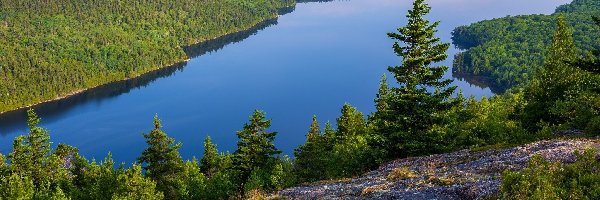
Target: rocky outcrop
[{"x": 464, "y": 174}]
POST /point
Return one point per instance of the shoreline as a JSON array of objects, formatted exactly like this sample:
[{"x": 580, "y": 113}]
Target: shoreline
[{"x": 80, "y": 91}]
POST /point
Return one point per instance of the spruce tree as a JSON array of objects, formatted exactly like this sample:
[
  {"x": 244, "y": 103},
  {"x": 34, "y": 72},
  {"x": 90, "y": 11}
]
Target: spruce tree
[
  {"x": 350, "y": 123},
  {"x": 161, "y": 160},
  {"x": 209, "y": 164},
  {"x": 310, "y": 156},
  {"x": 592, "y": 62},
  {"x": 423, "y": 95},
  {"x": 555, "y": 81},
  {"x": 314, "y": 133},
  {"x": 255, "y": 148},
  {"x": 381, "y": 101},
  {"x": 30, "y": 155}
]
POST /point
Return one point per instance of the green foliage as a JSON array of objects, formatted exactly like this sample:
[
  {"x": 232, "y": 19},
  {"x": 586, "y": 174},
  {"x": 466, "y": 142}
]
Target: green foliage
[
  {"x": 209, "y": 163},
  {"x": 545, "y": 180},
  {"x": 255, "y": 154},
  {"x": 335, "y": 153},
  {"x": 555, "y": 82},
  {"x": 162, "y": 161},
  {"x": 413, "y": 107},
  {"x": 490, "y": 121},
  {"x": 561, "y": 95},
  {"x": 593, "y": 126},
  {"x": 81, "y": 44},
  {"x": 133, "y": 185},
  {"x": 31, "y": 153},
  {"x": 509, "y": 50},
  {"x": 311, "y": 158}
]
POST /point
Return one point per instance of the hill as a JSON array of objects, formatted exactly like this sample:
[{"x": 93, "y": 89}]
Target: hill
[{"x": 463, "y": 174}]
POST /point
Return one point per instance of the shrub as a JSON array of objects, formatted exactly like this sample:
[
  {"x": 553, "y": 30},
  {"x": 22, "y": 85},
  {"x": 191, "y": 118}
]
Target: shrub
[{"x": 545, "y": 180}]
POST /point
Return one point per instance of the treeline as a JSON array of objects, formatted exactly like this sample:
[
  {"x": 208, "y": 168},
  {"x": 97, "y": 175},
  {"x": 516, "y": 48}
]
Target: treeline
[
  {"x": 416, "y": 116},
  {"x": 53, "y": 48},
  {"x": 510, "y": 49}
]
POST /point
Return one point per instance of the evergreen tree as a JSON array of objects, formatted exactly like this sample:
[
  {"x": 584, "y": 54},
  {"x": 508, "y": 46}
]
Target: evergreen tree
[
  {"x": 413, "y": 107},
  {"x": 592, "y": 62},
  {"x": 351, "y": 123},
  {"x": 162, "y": 161},
  {"x": 310, "y": 156},
  {"x": 30, "y": 155},
  {"x": 209, "y": 164},
  {"x": 255, "y": 148},
  {"x": 314, "y": 133},
  {"x": 555, "y": 81},
  {"x": 133, "y": 185},
  {"x": 2, "y": 166},
  {"x": 381, "y": 101}
]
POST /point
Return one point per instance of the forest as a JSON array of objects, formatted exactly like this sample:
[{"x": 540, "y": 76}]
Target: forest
[
  {"x": 509, "y": 50},
  {"x": 410, "y": 120},
  {"x": 50, "y": 49}
]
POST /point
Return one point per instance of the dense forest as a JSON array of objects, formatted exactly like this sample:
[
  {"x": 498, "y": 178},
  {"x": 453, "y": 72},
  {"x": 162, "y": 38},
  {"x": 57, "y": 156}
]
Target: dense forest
[
  {"x": 420, "y": 114},
  {"x": 54, "y": 48},
  {"x": 509, "y": 50}
]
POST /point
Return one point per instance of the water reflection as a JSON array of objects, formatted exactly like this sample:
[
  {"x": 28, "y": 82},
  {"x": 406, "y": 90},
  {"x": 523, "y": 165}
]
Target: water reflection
[
  {"x": 480, "y": 81},
  {"x": 14, "y": 120}
]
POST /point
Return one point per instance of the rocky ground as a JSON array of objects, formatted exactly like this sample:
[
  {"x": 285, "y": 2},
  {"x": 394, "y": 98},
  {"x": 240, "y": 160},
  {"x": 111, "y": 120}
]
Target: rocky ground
[{"x": 464, "y": 174}]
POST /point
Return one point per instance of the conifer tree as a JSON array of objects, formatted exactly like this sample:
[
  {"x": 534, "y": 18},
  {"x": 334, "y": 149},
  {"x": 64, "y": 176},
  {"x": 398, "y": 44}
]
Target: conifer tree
[
  {"x": 554, "y": 80},
  {"x": 314, "y": 133},
  {"x": 31, "y": 152},
  {"x": 161, "y": 160},
  {"x": 423, "y": 95},
  {"x": 592, "y": 62},
  {"x": 310, "y": 156},
  {"x": 351, "y": 123},
  {"x": 210, "y": 161},
  {"x": 132, "y": 185},
  {"x": 381, "y": 101},
  {"x": 255, "y": 148}
]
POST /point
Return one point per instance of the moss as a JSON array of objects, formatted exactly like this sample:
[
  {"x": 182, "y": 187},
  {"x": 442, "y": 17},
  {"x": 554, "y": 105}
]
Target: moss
[{"x": 401, "y": 174}]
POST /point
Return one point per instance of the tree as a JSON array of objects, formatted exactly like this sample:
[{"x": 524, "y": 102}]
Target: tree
[
  {"x": 162, "y": 161},
  {"x": 554, "y": 82},
  {"x": 592, "y": 63},
  {"x": 132, "y": 185},
  {"x": 209, "y": 164},
  {"x": 350, "y": 123},
  {"x": 311, "y": 157},
  {"x": 30, "y": 154},
  {"x": 255, "y": 148},
  {"x": 381, "y": 101},
  {"x": 423, "y": 95}
]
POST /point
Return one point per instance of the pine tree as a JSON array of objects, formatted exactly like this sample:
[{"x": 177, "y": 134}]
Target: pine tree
[
  {"x": 161, "y": 160},
  {"x": 381, "y": 101},
  {"x": 351, "y": 123},
  {"x": 132, "y": 185},
  {"x": 311, "y": 156},
  {"x": 413, "y": 107},
  {"x": 255, "y": 148},
  {"x": 314, "y": 132},
  {"x": 554, "y": 81},
  {"x": 210, "y": 161},
  {"x": 31, "y": 152},
  {"x": 592, "y": 62}
]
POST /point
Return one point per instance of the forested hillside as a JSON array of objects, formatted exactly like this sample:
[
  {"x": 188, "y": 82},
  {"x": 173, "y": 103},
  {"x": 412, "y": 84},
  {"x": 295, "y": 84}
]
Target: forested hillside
[
  {"x": 53, "y": 48},
  {"x": 508, "y": 50},
  {"x": 418, "y": 115}
]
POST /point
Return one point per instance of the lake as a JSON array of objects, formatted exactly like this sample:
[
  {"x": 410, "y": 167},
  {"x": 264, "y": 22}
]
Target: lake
[{"x": 309, "y": 61}]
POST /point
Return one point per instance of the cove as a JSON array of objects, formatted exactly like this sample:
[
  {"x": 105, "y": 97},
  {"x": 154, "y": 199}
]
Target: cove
[{"x": 309, "y": 61}]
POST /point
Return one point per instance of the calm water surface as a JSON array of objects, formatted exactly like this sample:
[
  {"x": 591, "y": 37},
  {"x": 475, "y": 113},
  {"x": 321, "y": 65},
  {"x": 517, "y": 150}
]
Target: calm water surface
[{"x": 308, "y": 62}]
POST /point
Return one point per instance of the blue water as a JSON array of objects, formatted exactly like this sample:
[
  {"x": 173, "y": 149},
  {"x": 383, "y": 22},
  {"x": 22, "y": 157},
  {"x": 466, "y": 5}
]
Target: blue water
[{"x": 309, "y": 62}]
